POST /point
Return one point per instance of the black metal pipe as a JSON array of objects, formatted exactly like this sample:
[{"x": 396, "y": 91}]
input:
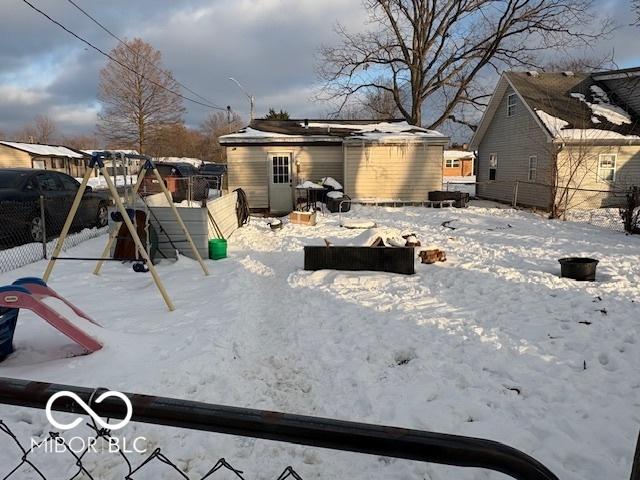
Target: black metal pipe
[{"x": 303, "y": 430}]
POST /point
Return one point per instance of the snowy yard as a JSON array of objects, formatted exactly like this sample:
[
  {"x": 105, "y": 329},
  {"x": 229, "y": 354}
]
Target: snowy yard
[{"x": 491, "y": 343}]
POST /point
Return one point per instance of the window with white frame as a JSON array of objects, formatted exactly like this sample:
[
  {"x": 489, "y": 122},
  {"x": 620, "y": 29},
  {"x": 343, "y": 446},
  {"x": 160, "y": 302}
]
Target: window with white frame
[
  {"x": 533, "y": 168},
  {"x": 280, "y": 166},
  {"x": 493, "y": 165},
  {"x": 452, "y": 162},
  {"x": 511, "y": 105},
  {"x": 607, "y": 167}
]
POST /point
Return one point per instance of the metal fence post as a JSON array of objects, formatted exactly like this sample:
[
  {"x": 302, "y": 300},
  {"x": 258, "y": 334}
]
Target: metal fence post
[
  {"x": 43, "y": 222},
  {"x": 515, "y": 193}
]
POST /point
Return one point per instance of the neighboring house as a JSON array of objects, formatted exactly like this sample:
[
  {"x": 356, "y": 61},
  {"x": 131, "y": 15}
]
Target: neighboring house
[
  {"x": 577, "y": 131},
  {"x": 387, "y": 160},
  {"x": 458, "y": 163},
  {"x": 49, "y": 157}
]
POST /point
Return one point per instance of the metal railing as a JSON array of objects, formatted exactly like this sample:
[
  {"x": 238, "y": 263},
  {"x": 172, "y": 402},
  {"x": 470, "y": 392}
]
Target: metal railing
[{"x": 328, "y": 433}]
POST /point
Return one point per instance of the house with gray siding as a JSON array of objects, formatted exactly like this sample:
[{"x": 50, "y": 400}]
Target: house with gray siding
[{"x": 565, "y": 138}]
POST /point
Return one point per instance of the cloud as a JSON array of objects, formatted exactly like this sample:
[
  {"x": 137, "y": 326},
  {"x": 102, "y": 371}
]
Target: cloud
[{"x": 268, "y": 45}]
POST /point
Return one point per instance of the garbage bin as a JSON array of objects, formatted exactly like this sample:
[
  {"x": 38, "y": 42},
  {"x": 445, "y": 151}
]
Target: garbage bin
[
  {"x": 217, "y": 248},
  {"x": 8, "y": 320}
]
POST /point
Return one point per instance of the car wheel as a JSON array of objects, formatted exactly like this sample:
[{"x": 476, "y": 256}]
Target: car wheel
[
  {"x": 36, "y": 229},
  {"x": 102, "y": 216}
]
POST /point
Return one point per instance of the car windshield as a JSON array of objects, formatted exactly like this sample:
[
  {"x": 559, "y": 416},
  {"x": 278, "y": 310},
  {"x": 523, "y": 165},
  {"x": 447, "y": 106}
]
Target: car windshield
[
  {"x": 12, "y": 179},
  {"x": 186, "y": 170},
  {"x": 164, "y": 170}
]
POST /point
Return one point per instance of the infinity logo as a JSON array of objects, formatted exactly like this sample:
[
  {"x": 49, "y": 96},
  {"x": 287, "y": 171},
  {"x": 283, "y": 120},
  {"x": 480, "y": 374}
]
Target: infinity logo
[{"x": 90, "y": 412}]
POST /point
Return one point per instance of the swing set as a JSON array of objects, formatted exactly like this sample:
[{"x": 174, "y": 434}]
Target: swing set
[{"x": 97, "y": 162}]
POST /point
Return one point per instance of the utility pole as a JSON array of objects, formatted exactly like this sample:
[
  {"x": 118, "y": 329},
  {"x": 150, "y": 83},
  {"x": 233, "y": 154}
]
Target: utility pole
[{"x": 249, "y": 96}]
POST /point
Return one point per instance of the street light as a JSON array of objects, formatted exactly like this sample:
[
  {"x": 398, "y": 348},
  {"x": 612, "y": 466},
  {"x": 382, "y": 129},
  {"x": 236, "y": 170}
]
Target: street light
[{"x": 249, "y": 96}]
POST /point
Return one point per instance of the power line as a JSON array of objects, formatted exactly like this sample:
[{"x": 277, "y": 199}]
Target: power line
[
  {"x": 97, "y": 49},
  {"x": 126, "y": 45}
]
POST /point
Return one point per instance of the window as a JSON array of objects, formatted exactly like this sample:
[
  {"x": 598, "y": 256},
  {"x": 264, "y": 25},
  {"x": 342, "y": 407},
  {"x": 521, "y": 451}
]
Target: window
[
  {"x": 280, "y": 166},
  {"x": 533, "y": 168},
  {"x": 493, "y": 165},
  {"x": 38, "y": 164},
  {"x": 70, "y": 184},
  {"x": 452, "y": 163},
  {"x": 607, "y": 167},
  {"x": 511, "y": 105},
  {"x": 48, "y": 183}
]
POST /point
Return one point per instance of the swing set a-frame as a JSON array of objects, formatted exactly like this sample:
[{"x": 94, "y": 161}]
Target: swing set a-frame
[{"x": 97, "y": 162}]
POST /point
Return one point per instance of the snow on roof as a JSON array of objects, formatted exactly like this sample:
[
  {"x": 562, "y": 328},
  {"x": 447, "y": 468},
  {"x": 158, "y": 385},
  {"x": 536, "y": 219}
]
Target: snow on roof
[
  {"x": 126, "y": 152},
  {"x": 457, "y": 154},
  {"x": 557, "y": 128},
  {"x": 330, "y": 131},
  {"x": 44, "y": 150},
  {"x": 602, "y": 107},
  {"x": 196, "y": 162}
]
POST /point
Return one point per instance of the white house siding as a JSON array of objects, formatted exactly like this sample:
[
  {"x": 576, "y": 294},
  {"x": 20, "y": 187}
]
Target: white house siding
[
  {"x": 514, "y": 139},
  {"x": 578, "y": 168},
  {"x": 248, "y": 168},
  {"x": 405, "y": 172}
]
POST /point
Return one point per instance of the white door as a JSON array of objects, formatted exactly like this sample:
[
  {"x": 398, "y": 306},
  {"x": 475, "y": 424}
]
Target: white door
[{"x": 280, "y": 178}]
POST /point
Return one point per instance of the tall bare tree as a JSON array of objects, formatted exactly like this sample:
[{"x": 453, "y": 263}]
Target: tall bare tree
[
  {"x": 213, "y": 127},
  {"x": 42, "y": 130},
  {"x": 436, "y": 49},
  {"x": 136, "y": 101}
]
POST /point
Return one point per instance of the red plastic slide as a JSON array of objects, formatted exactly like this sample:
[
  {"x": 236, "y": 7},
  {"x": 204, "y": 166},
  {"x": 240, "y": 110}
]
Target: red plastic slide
[{"x": 19, "y": 296}]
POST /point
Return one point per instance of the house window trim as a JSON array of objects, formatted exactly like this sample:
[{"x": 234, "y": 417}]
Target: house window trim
[
  {"x": 511, "y": 107},
  {"x": 533, "y": 177},
  {"x": 599, "y": 177},
  {"x": 495, "y": 175}
]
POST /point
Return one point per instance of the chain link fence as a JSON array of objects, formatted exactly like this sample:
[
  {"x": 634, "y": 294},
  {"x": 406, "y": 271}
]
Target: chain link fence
[
  {"x": 72, "y": 461},
  {"x": 29, "y": 229}
]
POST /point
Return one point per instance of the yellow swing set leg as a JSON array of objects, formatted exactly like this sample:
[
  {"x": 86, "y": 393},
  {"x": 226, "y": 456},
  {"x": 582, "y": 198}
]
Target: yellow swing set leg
[{"x": 127, "y": 221}]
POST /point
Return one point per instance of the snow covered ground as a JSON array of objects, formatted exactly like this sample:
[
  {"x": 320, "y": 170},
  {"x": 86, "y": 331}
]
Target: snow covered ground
[{"x": 492, "y": 343}]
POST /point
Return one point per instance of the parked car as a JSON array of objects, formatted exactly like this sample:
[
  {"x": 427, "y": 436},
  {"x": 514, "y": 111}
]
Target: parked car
[
  {"x": 20, "y": 214},
  {"x": 181, "y": 179},
  {"x": 214, "y": 172}
]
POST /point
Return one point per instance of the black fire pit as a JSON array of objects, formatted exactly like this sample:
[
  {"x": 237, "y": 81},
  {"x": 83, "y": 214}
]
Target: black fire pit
[{"x": 578, "y": 268}]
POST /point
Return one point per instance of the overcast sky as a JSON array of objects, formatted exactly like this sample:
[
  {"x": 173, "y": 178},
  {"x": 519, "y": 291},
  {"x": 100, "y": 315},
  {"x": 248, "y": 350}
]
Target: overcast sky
[{"x": 268, "y": 45}]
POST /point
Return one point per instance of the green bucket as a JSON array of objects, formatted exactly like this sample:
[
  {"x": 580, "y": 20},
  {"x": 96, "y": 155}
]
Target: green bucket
[{"x": 217, "y": 248}]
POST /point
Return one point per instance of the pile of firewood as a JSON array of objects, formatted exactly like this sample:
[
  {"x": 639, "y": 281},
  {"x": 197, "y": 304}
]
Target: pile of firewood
[{"x": 433, "y": 256}]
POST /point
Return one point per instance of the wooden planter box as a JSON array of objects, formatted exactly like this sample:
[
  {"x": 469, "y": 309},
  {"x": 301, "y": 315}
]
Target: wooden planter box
[
  {"x": 303, "y": 218},
  {"x": 377, "y": 259}
]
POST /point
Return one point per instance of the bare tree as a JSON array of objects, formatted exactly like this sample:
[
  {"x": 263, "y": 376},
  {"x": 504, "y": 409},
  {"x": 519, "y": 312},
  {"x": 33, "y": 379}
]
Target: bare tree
[
  {"x": 80, "y": 141},
  {"x": 213, "y": 127},
  {"x": 587, "y": 63},
  {"x": 436, "y": 49},
  {"x": 42, "y": 130},
  {"x": 136, "y": 101},
  {"x": 635, "y": 4}
]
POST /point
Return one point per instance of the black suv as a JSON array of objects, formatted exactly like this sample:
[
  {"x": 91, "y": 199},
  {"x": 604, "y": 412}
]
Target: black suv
[{"x": 20, "y": 219}]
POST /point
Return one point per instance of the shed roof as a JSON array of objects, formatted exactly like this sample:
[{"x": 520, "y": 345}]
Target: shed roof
[
  {"x": 318, "y": 131},
  {"x": 44, "y": 150}
]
